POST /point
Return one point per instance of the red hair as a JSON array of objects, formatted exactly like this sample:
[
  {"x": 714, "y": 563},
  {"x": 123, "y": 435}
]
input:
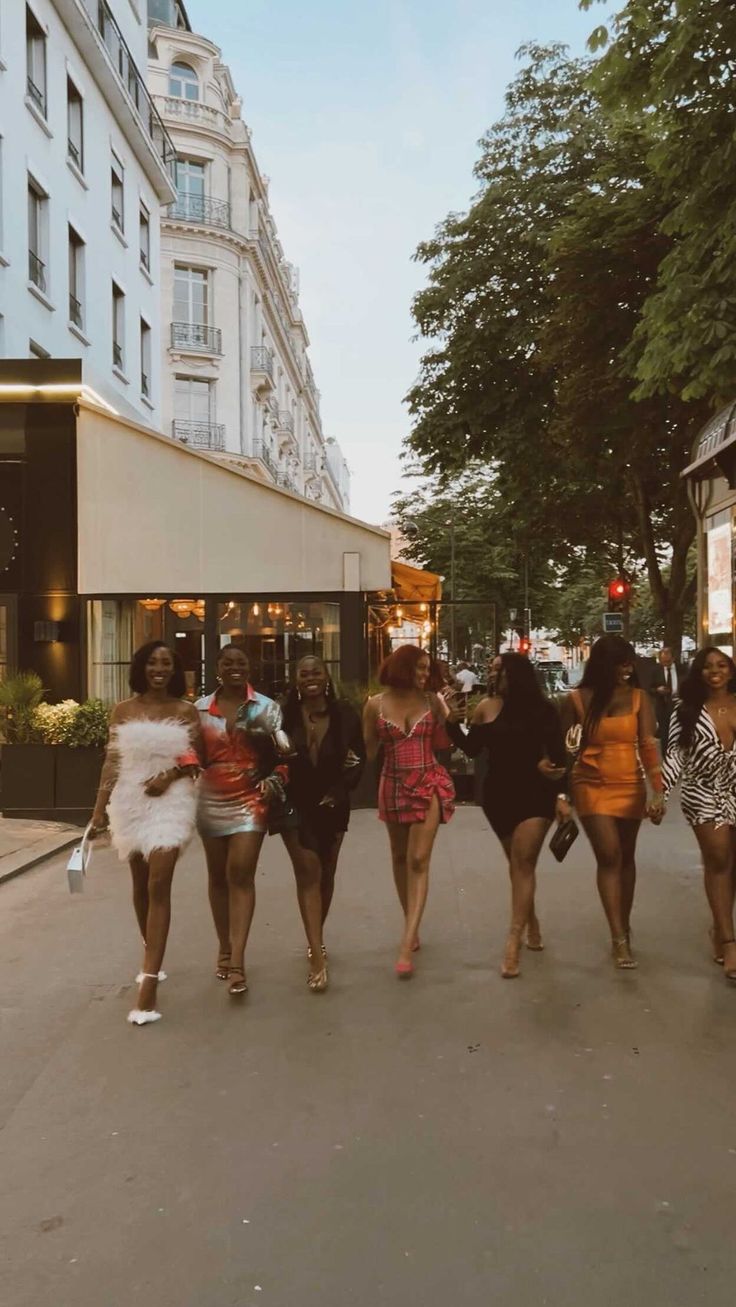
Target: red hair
[{"x": 399, "y": 669}]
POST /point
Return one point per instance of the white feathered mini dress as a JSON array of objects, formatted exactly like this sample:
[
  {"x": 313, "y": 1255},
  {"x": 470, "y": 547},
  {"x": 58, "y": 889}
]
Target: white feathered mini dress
[{"x": 140, "y": 823}]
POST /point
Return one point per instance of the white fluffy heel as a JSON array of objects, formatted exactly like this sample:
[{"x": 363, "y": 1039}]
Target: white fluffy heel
[
  {"x": 142, "y": 976},
  {"x": 138, "y": 1017}
]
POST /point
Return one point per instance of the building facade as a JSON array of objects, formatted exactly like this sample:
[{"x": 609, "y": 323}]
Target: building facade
[
  {"x": 236, "y": 377},
  {"x": 85, "y": 165},
  {"x": 711, "y": 478}
]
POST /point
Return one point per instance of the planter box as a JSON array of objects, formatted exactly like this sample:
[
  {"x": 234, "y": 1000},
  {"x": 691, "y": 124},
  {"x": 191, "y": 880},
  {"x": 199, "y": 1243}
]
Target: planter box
[{"x": 49, "y": 782}]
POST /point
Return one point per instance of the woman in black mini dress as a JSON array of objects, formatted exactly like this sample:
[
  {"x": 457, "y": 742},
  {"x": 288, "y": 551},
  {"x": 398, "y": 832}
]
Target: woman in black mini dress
[
  {"x": 326, "y": 764},
  {"x": 519, "y": 732}
]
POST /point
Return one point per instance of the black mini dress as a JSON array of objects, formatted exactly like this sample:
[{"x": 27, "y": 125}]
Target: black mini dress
[{"x": 511, "y": 747}]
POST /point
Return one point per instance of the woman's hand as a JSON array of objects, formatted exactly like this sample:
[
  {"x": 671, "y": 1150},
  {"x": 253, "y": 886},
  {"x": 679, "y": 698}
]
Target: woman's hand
[
  {"x": 155, "y": 786},
  {"x": 656, "y": 809},
  {"x": 327, "y": 802},
  {"x": 268, "y": 788},
  {"x": 98, "y": 823},
  {"x": 563, "y": 809},
  {"x": 549, "y": 770},
  {"x": 451, "y": 710}
]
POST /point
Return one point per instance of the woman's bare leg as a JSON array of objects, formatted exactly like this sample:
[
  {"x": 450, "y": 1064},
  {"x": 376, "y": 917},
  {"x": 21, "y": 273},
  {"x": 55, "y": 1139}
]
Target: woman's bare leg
[
  {"x": 524, "y": 848},
  {"x": 161, "y": 864},
  {"x": 398, "y": 835},
  {"x": 329, "y": 867},
  {"x": 139, "y": 872},
  {"x": 242, "y": 859},
  {"x": 420, "y": 841},
  {"x": 604, "y": 837},
  {"x": 628, "y": 833},
  {"x": 716, "y": 847},
  {"x": 215, "y": 851},
  {"x": 308, "y": 875}
]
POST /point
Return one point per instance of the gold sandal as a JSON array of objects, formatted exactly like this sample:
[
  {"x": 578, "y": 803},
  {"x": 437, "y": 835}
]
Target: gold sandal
[
  {"x": 222, "y": 967},
  {"x": 317, "y": 981},
  {"x": 510, "y": 965},
  {"x": 237, "y": 986},
  {"x": 621, "y": 954}
]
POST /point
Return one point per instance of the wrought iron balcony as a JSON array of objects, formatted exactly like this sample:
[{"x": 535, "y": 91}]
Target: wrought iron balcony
[
  {"x": 264, "y": 455},
  {"x": 36, "y": 95},
  {"x": 200, "y": 435},
  {"x": 134, "y": 83},
  {"x": 261, "y": 361},
  {"x": 190, "y": 207},
  {"x": 196, "y": 336},
  {"x": 75, "y": 310},
  {"x": 37, "y": 271}
]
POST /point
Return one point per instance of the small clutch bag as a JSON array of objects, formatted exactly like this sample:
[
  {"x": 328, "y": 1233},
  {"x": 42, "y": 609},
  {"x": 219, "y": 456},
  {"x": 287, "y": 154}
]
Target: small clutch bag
[{"x": 563, "y": 839}]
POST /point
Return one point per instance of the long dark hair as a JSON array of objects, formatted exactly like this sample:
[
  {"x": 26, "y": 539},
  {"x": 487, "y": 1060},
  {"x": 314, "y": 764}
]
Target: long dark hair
[
  {"x": 291, "y": 708},
  {"x": 693, "y": 692},
  {"x": 177, "y": 686},
  {"x": 524, "y": 700},
  {"x": 608, "y": 654}
]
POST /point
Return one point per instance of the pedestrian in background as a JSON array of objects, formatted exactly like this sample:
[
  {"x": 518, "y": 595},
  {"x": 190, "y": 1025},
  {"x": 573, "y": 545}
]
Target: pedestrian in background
[
  {"x": 415, "y": 793},
  {"x": 700, "y": 754},
  {"x": 608, "y": 785},
  {"x": 147, "y": 795},
  {"x": 665, "y": 690},
  {"x": 245, "y": 775},
  {"x": 516, "y": 728},
  {"x": 325, "y": 765}
]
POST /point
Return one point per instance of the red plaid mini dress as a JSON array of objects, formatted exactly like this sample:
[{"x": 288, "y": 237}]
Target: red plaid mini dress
[{"x": 411, "y": 775}]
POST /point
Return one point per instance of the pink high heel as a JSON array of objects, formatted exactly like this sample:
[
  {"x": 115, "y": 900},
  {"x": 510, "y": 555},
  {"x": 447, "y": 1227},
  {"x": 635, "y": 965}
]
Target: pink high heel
[{"x": 404, "y": 969}]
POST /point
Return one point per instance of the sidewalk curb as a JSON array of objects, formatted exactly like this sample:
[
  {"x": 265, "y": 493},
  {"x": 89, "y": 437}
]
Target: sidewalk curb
[{"x": 27, "y": 863}]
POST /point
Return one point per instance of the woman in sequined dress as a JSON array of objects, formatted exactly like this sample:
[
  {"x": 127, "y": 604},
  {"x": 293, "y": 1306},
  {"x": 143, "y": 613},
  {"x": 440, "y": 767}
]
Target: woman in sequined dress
[{"x": 243, "y": 778}]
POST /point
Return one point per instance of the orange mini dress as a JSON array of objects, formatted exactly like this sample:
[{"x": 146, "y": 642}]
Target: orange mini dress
[{"x": 608, "y": 777}]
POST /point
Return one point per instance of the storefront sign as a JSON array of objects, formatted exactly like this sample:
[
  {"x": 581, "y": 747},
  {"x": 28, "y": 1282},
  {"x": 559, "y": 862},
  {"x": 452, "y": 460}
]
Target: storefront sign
[{"x": 720, "y": 579}]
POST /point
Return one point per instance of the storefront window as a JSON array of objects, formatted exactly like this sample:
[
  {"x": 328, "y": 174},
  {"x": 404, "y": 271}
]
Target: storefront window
[
  {"x": 720, "y": 580},
  {"x": 276, "y": 635},
  {"x": 116, "y": 628}
]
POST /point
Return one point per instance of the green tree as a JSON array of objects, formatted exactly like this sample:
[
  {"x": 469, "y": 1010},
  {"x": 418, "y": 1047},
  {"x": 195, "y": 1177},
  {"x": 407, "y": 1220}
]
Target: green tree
[
  {"x": 532, "y": 300},
  {"x": 671, "y": 64}
]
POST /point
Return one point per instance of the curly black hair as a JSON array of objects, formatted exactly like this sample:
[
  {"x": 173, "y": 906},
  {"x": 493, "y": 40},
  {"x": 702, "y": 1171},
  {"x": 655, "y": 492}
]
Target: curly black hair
[
  {"x": 137, "y": 672},
  {"x": 693, "y": 692}
]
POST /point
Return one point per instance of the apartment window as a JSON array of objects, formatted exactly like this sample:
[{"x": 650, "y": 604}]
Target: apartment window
[
  {"x": 183, "y": 82},
  {"x": 118, "y": 327},
  {"x": 194, "y": 400},
  {"x": 191, "y": 295},
  {"x": 145, "y": 359},
  {"x": 76, "y": 279},
  {"x": 74, "y": 125},
  {"x": 117, "y": 176},
  {"x": 189, "y": 178},
  {"x": 37, "y": 235},
  {"x": 35, "y": 61},
  {"x": 144, "y": 237}
]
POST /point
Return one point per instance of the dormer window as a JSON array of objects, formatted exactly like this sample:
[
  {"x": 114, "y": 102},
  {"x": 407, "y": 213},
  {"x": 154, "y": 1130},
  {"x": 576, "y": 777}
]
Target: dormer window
[{"x": 183, "y": 82}]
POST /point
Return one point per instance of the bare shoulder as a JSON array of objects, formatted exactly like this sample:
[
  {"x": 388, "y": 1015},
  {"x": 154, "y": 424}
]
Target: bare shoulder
[
  {"x": 187, "y": 711},
  {"x": 373, "y": 704},
  {"x": 123, "y": 711},
  {"x": 484, "y": 710}
]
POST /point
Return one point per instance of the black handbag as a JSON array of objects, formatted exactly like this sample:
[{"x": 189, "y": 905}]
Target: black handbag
[{"x": 563, "y": 839}]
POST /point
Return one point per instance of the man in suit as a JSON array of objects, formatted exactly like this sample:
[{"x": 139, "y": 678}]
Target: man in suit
[{"x": 665, "y": 687}]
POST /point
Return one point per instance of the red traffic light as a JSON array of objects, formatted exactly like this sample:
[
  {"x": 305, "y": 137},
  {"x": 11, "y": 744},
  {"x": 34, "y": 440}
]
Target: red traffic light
[
  {"x": 525, "y": 644},
  {"x": 618, "y": 590}
]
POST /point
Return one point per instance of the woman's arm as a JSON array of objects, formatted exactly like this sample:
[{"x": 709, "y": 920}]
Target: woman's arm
[
  {"x": 352, "y": 771},
  {"x": 649, "y": 754},
  {"x": 108, "y": 777},
  {"x": 471, "y": 742},
  {"x": 675, "y": 755},
  {"x": 370, "y": 734}
]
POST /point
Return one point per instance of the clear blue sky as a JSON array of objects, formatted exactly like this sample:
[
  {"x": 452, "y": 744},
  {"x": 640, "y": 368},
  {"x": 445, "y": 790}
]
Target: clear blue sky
[{"x": 366, "y": 119}]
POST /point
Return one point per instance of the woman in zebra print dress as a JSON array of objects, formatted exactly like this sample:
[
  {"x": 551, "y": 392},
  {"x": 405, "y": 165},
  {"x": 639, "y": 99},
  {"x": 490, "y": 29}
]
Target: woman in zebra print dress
[{"x": 701, "y": 754}]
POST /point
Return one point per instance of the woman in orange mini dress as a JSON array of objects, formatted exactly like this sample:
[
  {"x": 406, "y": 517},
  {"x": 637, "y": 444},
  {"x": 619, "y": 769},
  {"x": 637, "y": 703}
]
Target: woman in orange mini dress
[{"x": 609, "y": 790}]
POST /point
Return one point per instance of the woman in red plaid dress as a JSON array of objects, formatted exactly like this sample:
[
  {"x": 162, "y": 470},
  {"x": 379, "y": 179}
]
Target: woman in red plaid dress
[{"x": 415, "y": 793}]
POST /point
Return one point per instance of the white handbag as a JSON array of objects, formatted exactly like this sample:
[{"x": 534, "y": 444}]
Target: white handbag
[{"x": 76, "y": 867}]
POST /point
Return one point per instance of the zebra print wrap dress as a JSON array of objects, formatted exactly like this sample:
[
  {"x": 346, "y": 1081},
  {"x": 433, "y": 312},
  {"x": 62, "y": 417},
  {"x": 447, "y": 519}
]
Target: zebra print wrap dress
[{"x": 706, "y": 770}]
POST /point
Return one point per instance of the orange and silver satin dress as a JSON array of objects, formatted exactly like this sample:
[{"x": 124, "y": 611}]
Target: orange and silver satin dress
[{"x": 608, "y": 777}]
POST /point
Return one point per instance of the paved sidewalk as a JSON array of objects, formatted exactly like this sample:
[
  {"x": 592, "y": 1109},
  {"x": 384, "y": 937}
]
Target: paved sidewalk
[
  {"x": 452, "y": 1141},
  {"x": 23, "y": 844}
]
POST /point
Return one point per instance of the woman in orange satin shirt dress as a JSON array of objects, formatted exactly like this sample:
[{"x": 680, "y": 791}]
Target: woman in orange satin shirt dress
[{"x": 618, "y": 748}]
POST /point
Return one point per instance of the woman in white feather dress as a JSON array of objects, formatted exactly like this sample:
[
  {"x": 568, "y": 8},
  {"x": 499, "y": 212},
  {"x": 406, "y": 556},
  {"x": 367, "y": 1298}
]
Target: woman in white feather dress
[{"x": 147, "y": 797}]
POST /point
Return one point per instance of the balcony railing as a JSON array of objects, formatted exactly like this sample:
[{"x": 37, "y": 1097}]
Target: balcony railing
[
  {"x": 196, "y": 336},
  {"x": 75, "y": 310},
  {"x": 261, "y": 360},
  {"x": 134, "y": 84},
  {"x": 36, "y": 271},
  {"x": 200, "y": 435},
  {"x": 36, "y": 94},
  {"x": 191, "y": 207},
  {"x": 263, "y": 453},
  {"x": 176, "y": 106}
]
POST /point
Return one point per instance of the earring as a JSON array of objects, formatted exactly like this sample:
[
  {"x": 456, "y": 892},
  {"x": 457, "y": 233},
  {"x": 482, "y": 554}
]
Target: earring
[{"x": 298, "y": 694}]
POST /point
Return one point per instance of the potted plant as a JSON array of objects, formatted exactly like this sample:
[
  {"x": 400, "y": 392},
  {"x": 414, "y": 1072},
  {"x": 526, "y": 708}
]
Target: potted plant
[
  {"x": 52, "y": 752},
  {"x": 27, "y": 765}
]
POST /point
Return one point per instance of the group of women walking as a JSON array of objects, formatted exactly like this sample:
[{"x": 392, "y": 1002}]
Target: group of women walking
[{"x": 236, "y": 766}]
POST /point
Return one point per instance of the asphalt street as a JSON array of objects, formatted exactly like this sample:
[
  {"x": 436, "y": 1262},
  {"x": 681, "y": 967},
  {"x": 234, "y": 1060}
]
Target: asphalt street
[{"x": 569, "y": 1137}]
